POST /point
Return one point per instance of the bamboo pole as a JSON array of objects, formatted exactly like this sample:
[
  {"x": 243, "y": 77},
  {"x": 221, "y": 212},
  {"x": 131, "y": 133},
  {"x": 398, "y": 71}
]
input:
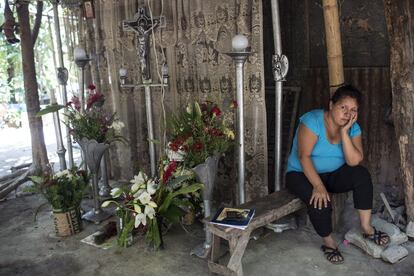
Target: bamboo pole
[
  {"x": 333, "y": 44},
  {"x": 336, "y": 78}
]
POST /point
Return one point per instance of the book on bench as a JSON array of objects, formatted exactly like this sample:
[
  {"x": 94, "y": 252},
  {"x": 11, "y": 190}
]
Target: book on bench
[{"x": 233, "y": 217}]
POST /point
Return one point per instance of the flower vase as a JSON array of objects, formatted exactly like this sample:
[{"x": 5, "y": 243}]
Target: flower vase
[
  {"x": 154, "y": 234},
  {"x": 92, "y": 153},
  {"x": 125, "y": 227},
  {"x": 206, "y": 174}
]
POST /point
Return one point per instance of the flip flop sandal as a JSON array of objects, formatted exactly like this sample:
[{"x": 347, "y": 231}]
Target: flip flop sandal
[
  {"x": 332, "y": 254},
  {"x": 377, "y": 237}
]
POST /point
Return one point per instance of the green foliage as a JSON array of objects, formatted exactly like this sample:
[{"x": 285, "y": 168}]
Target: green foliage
[
  {"x": 10, "y": 55},
  {"x": 63, "y": 190}
]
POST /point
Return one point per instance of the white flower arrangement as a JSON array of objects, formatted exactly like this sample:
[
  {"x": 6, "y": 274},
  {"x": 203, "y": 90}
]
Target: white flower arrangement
[{"x": 136, "y": 199}]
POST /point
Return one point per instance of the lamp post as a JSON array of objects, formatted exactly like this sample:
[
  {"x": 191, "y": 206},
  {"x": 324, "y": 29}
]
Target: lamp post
[
  {"x": 62, "y": 76},
  {"x": 58, "y": 132},
  {"x": 81, "y": 60},
  {"x": 239, "y": 55},
  {"x": 280, "y": 66}
]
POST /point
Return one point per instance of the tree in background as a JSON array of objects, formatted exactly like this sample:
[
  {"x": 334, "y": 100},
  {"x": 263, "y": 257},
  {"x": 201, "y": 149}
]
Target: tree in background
[
  {"x": 400, "y": 26},
  {"x": 28, "y": 39}
]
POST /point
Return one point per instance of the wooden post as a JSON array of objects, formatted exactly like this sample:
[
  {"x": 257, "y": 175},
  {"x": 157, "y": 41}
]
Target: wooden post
[
  {"x": 336, "y": 77},
  {"x": 399, "y": 16},
  {"x": 333, "y": 44}
]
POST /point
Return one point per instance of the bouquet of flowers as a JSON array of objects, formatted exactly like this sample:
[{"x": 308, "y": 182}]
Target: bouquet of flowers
[
  {"x": 200, "y": 131},
  {"x": 147, "y": 200},
  {"x": 63, "y": 190},
  {"x": 90, "y": 122}
]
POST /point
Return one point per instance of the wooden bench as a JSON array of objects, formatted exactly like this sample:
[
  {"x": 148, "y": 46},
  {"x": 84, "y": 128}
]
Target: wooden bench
[{"x": 268, "y": 209}]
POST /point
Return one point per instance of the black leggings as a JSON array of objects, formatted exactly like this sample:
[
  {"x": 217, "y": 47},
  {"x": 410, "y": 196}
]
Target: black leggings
[{"x": 356, "y": 179}]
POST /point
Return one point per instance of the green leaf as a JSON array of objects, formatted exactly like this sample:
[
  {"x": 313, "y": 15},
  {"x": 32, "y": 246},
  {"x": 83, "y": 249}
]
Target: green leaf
[
  {"x": 49, "y": 109},
  {"x": 173, "y": 213},
  {"x": 107, "y": 202},
  {"x": 182, "y": 202},
  {"x": 184, "y": 190},
  {"x": 36, "y": 179},
  {"x": 179, "y": 179}
]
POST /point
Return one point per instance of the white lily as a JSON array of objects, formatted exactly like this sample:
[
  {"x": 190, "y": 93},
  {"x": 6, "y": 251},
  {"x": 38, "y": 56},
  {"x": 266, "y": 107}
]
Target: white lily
[
  {"x": 152, "y": 204},
  {"x": 137, "y": 208},
  {"x": 151, "y": 187},
  {"x": 145, "y": 198},
  {"x": 106, "y": 203},
  {"x": 138, "y": 193},
  {"x": 138, "y": 182},
  {"x": 116, "y": 192},
  {"x": 149, "y": 211},
  {"x": 135, "y": 187},
  {"x": 140, "y": 178},
  {"x": 140, "y": 218}
]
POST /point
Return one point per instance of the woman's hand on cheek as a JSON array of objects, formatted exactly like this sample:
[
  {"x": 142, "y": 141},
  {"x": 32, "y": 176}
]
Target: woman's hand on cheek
[{"x": 351, "y": 121}]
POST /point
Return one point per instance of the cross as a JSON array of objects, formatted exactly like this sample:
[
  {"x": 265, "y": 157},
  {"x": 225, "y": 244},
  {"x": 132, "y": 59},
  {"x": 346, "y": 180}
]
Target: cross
[{"x": 142, "y": 25}]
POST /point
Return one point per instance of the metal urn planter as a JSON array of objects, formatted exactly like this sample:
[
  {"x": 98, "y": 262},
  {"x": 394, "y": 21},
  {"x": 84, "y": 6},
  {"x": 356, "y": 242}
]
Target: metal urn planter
[
  {"x": 206, "y": 174},
  {"x": 93, "y": 152}
]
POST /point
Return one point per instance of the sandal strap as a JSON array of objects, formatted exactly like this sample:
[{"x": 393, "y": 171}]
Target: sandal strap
[
  {"x": 377, "y": 236},
  {"x": 331, "y": 253}
]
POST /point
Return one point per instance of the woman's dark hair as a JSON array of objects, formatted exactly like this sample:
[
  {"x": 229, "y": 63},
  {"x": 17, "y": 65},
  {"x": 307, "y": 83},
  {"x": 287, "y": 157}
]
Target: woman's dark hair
[{"x": 347, "y": 91}]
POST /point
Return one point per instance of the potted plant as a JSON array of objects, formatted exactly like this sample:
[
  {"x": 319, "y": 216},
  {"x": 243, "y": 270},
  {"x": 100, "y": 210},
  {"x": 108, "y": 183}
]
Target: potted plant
[{"x": 64, "y": 192}]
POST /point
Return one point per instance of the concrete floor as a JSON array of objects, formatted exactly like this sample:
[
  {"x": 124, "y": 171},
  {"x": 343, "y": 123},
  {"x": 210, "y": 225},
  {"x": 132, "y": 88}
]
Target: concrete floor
[{"x": 30, "y": 247}]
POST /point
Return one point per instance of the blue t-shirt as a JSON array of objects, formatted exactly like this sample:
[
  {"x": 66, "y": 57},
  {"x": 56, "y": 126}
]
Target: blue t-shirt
[{"x": 326, "y": 157}]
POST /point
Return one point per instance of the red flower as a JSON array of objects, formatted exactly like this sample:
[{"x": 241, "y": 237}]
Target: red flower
[
  {"x": 94, "y": 98},
  {"x": 234, "y": 104},
  {"x": 215, "y": 132},
  {"x": 91, "y": 86},
  {"x": 174, "y": 146},
  {"x": 76, "y": 103},
  {"x": 179, "y": 140},
  {"x": 216, "y": 111},
  {"x": 198, "y": 146},
  {"x": 172, "y": 166}
]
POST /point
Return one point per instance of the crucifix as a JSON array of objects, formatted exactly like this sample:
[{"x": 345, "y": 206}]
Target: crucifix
[{"x": 143, "y": 26}]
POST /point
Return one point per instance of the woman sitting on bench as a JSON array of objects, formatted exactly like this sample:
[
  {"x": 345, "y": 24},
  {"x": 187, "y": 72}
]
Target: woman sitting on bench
[{"x": 325, "y": 158}]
